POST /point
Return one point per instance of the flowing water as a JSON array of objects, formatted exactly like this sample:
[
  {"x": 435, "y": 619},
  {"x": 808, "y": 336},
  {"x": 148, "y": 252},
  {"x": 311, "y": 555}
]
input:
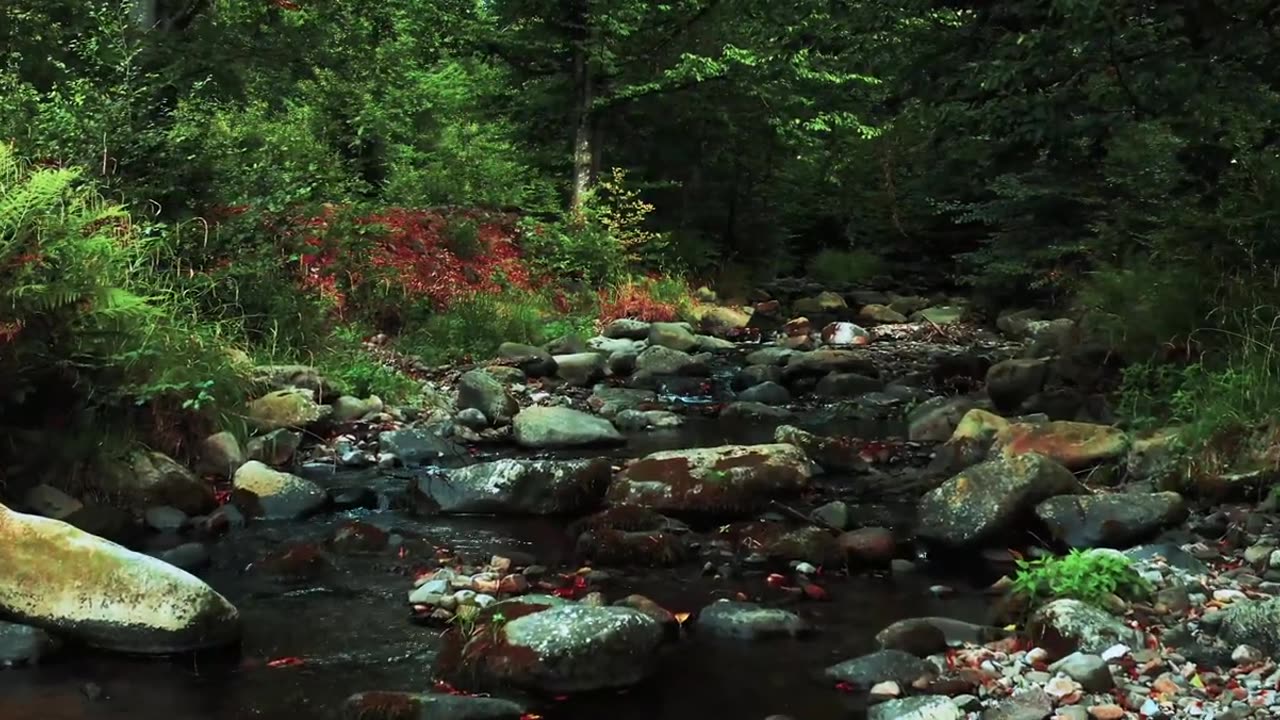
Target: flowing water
[{"x": 310, "y": 644}]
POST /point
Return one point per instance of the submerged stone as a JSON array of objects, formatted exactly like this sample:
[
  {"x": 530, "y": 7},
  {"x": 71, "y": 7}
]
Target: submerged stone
[{"x": 727, "y": 479}]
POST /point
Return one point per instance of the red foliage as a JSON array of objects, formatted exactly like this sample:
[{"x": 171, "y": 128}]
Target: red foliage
[
  {"x": 634, "y": 301},
  {"x": 414, "y": 258}
]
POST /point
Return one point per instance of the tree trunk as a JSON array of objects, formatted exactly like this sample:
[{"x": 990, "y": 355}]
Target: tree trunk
[{"x": 583, "y": 96}]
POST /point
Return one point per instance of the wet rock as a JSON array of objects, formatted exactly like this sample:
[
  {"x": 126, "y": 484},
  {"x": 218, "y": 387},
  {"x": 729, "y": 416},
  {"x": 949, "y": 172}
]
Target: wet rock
[
  {"x": 165, "y": 518},
  {"x": 358, "y": 538},
  {"x": 50, "y": 502},
  {"x": 516, "y": 486},
  {"x": 749, "y": 621},
  {"x": 846, "y": 385},
  {"x": 834, "y": 515},
  {"x": 1011, "y": 382},
  {"x": 831, "y": 453},
  {"x": 608, "y": 346},
  {"x": 934, "y": 420},
  {"x": 676, "y": 336},
  {"x": 152, "y": 478},
  {"x": 1255, "y": 623},
  {"x": 1074, "y": 445},
  {"x": 472, "y": 419},
  {"x": 647, "y": 606},
  {"x": 1090, "y": 671},
  {"x": 748, "y": 411},
  {"x": 631, "y": 421},
  {"x": 1015, "y": 323},
  {"x": 925, "y": 636},
  {"x": 868, "y": 546},
  {"x": 275, "y": 495},
  {"x": 923, "y": 707},
  {"x": 820, "y": 363},
  {"x": 420, "y": 446},
  {"x": 724, "y": 321},
  {"x": 770, "y": 357},
  {"x": 941, "y": 315},
  {"x": 609, "y": 401},
  {"x": 295, "y": 409},
  {"x": 844, "y": 333},
  {"x": 752, "y": 375},
  {"x": 66, "y": 581},
  {"x": 728, "y": 479},
  {"x": 480, "y": 390},
  {"x": 348, "y": 409},
  {"x": 190, "y": 556},
  {"x": 220, "y": 455},
  {"x": 824, "y": 302},
  {"x": 275, "y": 448},
  {"x": 581, "y": 369},
  {"x": 1067, "y": 626},
  {"x": 1111, "y": 521},
  {"x": 1030, "y": 704},
  {"x": 988, "y": 499},
  {"x": 880, "y": 315},
  {"x": 881, "y": 666},
  {"x": 434, "y": 706},
  {"x": 628, "y": 329},
  {"x": 766, "y": 393},
  {"x": 622, "y": 362},
  {"x": 971, "y": 442},
  {"x": 24, "y": 645},
  {"x": 533, "y": 361},
  {"x": 559, "y": 427},
  {"x": 564, "y": 649},
  {"x": 1153, "y": 455},
  {"x": 708, "y": 344},
  {"x": 808, "y": 544},
  {"x": 660, "y": 360}
]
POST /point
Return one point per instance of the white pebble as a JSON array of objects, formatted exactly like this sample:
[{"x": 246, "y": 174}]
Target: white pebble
[
  {"x": 1228, "y": 595},
  {"x": 1246, "y": 655},
  {"x": 805, "y": 568},
  {"x": 484, "y": 600},
  {"x": 1115, "y": 652}
]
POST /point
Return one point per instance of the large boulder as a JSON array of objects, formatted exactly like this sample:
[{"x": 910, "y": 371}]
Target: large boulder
[
  {"x": 420, "y": 446},
  {"x": 749, "y": 621},
  {"x": 220, "y": 455},
  {"x": 1255, "y": 623},
  {"x": 152, "y": 478},
  {"x": 990, "y": 498},
  {"x": 819, "y": 363},
  {"x": 1011, "y": 382},
  {"x": 581, "y": 369},
  {"x": 661, "y": 360},
  {"x": 1067, "y": 626},
  {"x": 1075, "y": 445},
  {"x": 517, "y": 487},
  {"x": 275, "y": 495},
  {"x": 533, "y": 361},
  {"x": 565, "y": 648},
  {"x": 71, "y": 583},
  {"x": 881, "y": 666},
  {"x": 480, "y": 390},
  {"x": 1110, "y": 521},
  {"x": 559, "y": 427},
  {"x": 294, "y": 408},
  {"x": 677, "y": 336},
  {"x": 719, "y": 480}
]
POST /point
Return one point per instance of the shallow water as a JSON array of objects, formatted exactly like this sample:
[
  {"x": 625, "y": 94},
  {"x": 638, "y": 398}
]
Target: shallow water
[{"x": 349, "y": 629}]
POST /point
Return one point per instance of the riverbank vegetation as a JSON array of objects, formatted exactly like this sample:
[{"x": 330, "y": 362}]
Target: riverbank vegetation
[{"x": 191, "y": 189}]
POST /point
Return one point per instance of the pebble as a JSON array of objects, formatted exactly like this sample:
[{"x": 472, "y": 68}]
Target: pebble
[
  {"x": 1228, "y": 595},
  {"x": 805, "y": 568},
  {"x": 1246, "y": 655},
  {"x": 885, "y": 690}
]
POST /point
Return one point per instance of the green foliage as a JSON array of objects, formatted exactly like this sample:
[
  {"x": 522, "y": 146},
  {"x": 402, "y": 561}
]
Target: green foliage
[
  {"x": 462, "y": 238},
  {"x": 838, "y": 268},
  {"x": 474, "y": 327},
  {"x": 1086, "y": 576}
]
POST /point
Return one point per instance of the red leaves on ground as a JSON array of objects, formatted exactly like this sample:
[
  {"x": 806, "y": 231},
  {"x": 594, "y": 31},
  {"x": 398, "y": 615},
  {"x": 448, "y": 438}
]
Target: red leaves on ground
[
  {"x": 284, "y": 662},
  {"x": 635, "y": 300}
]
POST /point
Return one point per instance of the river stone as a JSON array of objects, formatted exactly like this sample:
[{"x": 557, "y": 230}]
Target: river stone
[
  {"x": 420, "y": 446},
  {"x": 1153, "y": 455},
  {"x": 609, "y": 401},
  {"x": 220, "y": 455},
  {"x": 606, "y": 346},
  {"x": 65, "y": 581},
  {"x": 834, "y": 514},
  {"x": 50, "y": 502},
  {"x": 824, "y": 302},
  {"x": 819, "y": 363},
  {"x": 923, "y": 707},
  {"x": 295, "y": 408},
  {"x": 935, "y": 419},
  {"x": 743, "y": 411},
  {"x": 726, "y": 479},
  {"x": 277, "y": 495},
  {"x": 661, "y": 360},
  {"x": 1067, "y": 626},
  {"x": 275, "y": 448},
  {"x": 289, "y": 377},
  {"x": 514, "y": 486},
  {"x": 190, "y": 556},
  {"x": 989, "y": 498},
  {"x": 844, "y": 333},
  {"x": 580, "y": 369},
  {"x": 766, "y": 393},
  {"x": 152, "y": 478},
  {"x": 925, "y": 636},
  {"x": 831, "y": 453},
  {"x": 749, "y": 621},
  {"x": 1111, "y": 521},
  {"x": 676, "y": 336},
  {"x": 575, "y": 648},
  {"x": 846, "y": 385},
  {"x": 880, "y": 314},
  {"x": 480, "y": 390},
  {"x": 1011, "y": 382},
  {"x": 1255, "y": 623},
  {"x": 752, "y": 375},
  {"x": 771, "y": 356},
  {"x": 532, "y": 361},
  {"x": 881, "y": 666},
  {"x": 428, "y": 706},
  {"x": 559, "y": 427},
  {"x": 165, "y": 519},
  {"x": 1075, "y": 445},
  {"x": 628, "y": 329},
  {"x": 723, "y": 321},
  {"x": 940, "y": 315},
  {"x": 347, "y": 408},
  {"x": 971, "y": 441},
  {"x": 1090, "y": 671},
  {"x": 709, "y": 344},
  {"x": 1029, "y": 704},
  {"x": 24, "y": 645}
]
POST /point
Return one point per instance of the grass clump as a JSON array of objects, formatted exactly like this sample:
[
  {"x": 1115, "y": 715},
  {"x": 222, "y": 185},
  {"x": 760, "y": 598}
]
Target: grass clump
[{"x": 1090, "y": 577}]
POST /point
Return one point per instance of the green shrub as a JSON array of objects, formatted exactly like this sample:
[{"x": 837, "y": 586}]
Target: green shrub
[
  {"x": 845, "y": 267},
  {"x": 462, "y": 238},
  {"x": 474, "y": 327},
  {"x": 1086, "y": 576}
]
